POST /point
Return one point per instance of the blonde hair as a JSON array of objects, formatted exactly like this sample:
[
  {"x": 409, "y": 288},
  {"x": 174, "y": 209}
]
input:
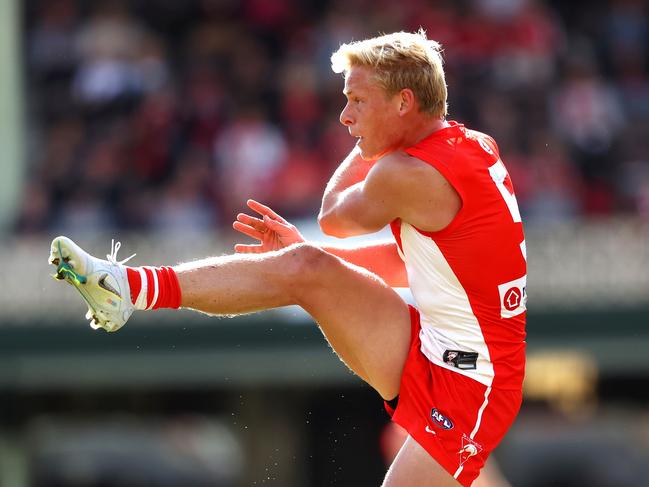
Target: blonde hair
[{"x": 400, "y": 60}]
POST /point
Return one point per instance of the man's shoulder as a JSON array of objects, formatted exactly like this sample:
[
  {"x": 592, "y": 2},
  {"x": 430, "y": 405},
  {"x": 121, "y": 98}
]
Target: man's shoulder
[
  {"x": 422, "y": 195},
  {"x": 486, "y": 141},
  {"x": 405, "y": 164},
  {"x": 402, "y": 170}
]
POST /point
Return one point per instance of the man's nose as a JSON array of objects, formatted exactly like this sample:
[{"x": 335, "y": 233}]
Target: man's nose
[{"x": 345, "y": 118}]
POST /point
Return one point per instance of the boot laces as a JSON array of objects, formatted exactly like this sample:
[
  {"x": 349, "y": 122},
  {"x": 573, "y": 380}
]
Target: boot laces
[{"x": 114, "y": 248}]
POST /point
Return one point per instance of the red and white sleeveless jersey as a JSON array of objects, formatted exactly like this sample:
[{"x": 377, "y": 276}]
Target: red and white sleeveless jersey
[{"x": 468, "y": 280}]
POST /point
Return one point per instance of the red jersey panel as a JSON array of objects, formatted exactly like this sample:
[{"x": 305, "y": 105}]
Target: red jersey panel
[{"x": 469, "y": 279}]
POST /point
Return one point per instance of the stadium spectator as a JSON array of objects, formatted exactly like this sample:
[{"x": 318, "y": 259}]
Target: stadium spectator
[{"x": 167, "y": 76}]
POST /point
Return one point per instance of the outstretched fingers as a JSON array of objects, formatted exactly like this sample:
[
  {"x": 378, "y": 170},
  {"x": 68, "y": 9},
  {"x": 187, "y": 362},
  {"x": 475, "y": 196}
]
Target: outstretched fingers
[
  {"x": 250, "y": 226},
  {"x": 279, "y": 226},
  {"x": 259, "y": 229},
  {"x": 264, "y": 210},
  {"x": 271, "y": 230}
]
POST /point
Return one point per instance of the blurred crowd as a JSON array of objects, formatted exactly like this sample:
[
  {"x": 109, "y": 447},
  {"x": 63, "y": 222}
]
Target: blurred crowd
[{"x": 165, "y": 116}]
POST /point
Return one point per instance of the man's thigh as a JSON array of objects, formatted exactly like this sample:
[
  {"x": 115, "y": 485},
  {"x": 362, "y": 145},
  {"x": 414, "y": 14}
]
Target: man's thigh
[
  {"x": 414, "y": 466},
  {"x": 366, "y": 322}
]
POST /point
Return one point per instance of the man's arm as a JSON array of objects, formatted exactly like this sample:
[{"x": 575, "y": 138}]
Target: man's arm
[
  {"x": 273, "y": 232},
  {"x": 396, "y": 186},
  {"x": 350, "y": 172}
]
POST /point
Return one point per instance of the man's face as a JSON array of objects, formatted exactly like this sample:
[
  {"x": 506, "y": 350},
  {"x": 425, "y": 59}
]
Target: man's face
[{"x": 370, "y": 114}]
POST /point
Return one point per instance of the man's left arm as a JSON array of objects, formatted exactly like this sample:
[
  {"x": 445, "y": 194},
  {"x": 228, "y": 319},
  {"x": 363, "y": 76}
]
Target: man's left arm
[
  {"x": 397, "y": 186},
  {"x": 358, "y": 208}
]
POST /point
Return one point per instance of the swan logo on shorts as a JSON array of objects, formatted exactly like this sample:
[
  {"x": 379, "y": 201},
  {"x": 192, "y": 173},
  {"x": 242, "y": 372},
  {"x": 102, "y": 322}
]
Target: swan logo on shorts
[
  {"x": 513, "y": 297},
  {"x": 440, "y": 420},
  {"x": 470, "y": 448}
]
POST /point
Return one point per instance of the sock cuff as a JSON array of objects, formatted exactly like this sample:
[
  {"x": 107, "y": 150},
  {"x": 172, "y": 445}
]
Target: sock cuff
[
  {"x": 170, "y": 295},
  {"x": 154, "y": 287}
]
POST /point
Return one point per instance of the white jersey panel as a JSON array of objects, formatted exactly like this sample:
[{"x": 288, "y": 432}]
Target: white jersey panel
[{"x": 447, "y": 320}]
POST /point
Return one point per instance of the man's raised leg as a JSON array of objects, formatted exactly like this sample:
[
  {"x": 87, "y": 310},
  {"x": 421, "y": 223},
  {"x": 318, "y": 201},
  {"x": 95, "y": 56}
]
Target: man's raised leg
[{"x": 366, "y": 322}]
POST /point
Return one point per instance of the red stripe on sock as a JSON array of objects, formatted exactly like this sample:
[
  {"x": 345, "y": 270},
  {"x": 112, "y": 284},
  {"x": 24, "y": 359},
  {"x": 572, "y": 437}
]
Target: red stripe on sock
[
  {"x": 169, "y": 295},
  {"x": 150, "y": 288},
  {"x": 134, "y": 283}
]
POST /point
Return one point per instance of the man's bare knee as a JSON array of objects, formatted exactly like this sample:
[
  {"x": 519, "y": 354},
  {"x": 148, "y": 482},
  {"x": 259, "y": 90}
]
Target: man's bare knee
[{"x": 305, "y": 268}]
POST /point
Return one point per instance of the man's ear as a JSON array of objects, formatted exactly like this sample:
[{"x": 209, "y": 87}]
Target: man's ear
[{"x": 407, "y": 101}]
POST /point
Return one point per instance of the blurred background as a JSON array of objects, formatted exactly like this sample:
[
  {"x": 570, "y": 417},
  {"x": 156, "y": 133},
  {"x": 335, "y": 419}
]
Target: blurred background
[{"x": 152, "y": 121}]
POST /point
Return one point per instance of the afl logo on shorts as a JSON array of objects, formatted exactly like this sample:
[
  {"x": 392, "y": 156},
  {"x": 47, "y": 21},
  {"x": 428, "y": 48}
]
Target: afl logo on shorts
[{"x": 440, "y": 420}]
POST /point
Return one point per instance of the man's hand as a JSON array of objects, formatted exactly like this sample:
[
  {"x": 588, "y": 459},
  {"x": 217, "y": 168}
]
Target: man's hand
[{"x": 271, "y": 230}]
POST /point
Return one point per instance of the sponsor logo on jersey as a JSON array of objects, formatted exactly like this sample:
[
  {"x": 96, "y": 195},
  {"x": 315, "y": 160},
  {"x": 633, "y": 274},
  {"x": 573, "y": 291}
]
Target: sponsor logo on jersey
[
  {"x": 440, "y": 420},
  {"x": 450, "y": 356},
  {"x": 460, "y": 359},
  {"x": 513, "y": 297}
]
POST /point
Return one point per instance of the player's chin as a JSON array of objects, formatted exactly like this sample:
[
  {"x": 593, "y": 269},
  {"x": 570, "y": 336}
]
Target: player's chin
[
  {"x": 366, "y": 153},
  {"x": 372, "y": 155}
]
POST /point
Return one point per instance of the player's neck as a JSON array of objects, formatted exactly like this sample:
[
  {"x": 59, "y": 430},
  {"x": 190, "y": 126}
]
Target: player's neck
[{"x": 422, "y": 127}]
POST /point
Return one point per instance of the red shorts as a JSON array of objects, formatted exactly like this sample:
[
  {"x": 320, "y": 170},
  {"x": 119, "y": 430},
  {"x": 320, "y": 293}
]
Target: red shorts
[{"x": 458, "y": 420}]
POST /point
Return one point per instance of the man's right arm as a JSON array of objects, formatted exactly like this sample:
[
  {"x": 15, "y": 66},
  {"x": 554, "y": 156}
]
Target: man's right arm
[
  {"x": 273, "y": 232},
  {"x": 380, "y": 258}
]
